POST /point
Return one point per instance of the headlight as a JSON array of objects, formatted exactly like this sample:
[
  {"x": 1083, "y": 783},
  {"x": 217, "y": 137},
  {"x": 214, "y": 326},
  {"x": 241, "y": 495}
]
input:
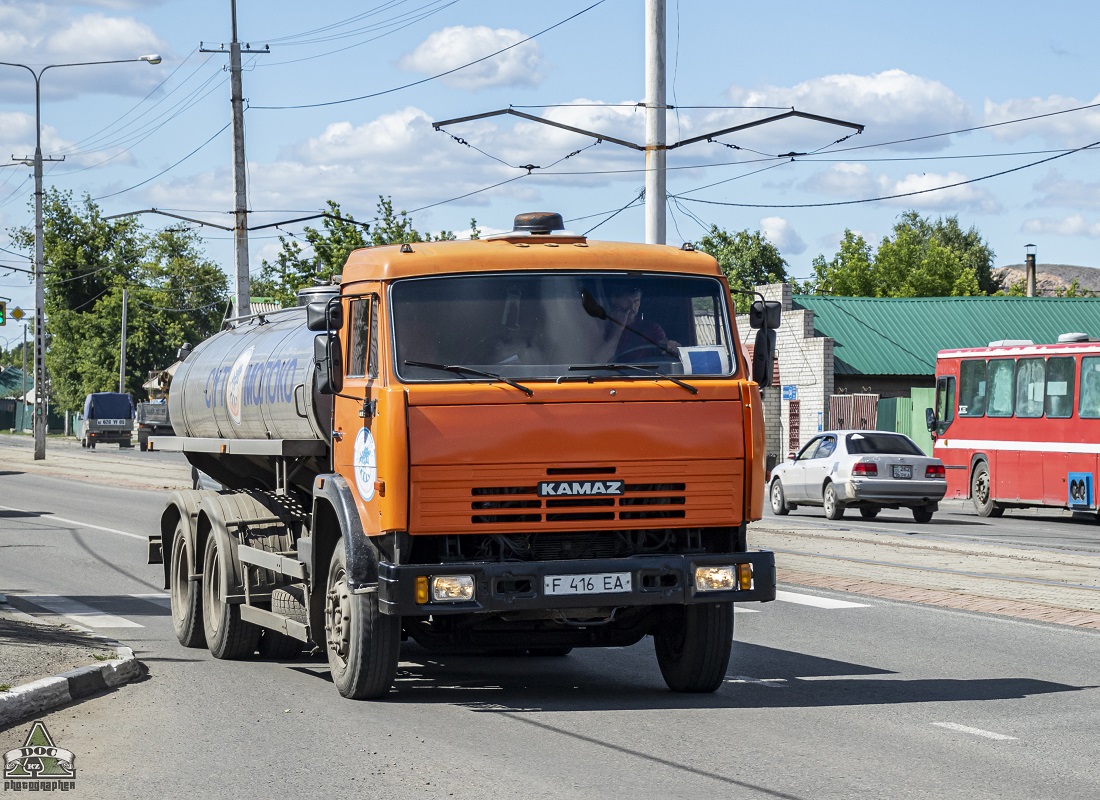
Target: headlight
[
  {"x": 452, "y": 588},
  {"x": 713, "y": 579}
]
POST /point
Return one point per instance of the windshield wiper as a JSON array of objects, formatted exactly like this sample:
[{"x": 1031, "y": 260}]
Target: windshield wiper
[
  {"x": 648, "y": 369},
  {"x": 472, "y": 371}
]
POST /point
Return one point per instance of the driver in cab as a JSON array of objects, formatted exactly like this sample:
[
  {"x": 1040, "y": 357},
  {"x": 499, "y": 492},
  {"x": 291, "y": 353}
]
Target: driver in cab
[{"x": 637, "y": 338}]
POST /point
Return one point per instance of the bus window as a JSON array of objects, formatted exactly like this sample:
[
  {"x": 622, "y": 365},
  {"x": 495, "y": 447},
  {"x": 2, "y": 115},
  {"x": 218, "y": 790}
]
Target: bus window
[
  {"x": 972, "y": 385},
  {"x": 1002, "y": 388},
  {"x": 945, "y": 403},
  {"x": 1030, "y": 387},
  {"x": 1059, "y": 403},
  {"x": 1090, "y": 387}
]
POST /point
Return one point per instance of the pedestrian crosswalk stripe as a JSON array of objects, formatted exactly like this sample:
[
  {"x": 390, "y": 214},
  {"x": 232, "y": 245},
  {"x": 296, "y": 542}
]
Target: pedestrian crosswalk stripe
[
  {"x": 79, "y": 612},
  {"x": 160, "y": 598},
  {"x": 816, "y": 602}
]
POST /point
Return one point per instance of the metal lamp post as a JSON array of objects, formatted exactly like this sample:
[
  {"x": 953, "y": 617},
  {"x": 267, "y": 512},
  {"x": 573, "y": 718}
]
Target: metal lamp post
[{"x": 39, "y": 271}]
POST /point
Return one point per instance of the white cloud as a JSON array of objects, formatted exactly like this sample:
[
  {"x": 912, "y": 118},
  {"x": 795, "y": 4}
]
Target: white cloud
[
  {"x": 452, "y": 47},
  {"x": 1074, "y": 129},
  {"x": 1073, "y": 225},
  {"x": 892, "y": 105},
  {"x": 38, "y": 34},
  {"x": 1058, "y": 190},
  {"x": 779, "y": 232},
  {"x": 857, "y": 182}
]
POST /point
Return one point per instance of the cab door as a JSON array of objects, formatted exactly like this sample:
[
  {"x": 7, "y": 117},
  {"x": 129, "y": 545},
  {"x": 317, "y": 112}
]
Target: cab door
[
  {"x": 355, "y": 454},
  {"x": 817, "y": 467},
  {"x": 794, "y": 478}
]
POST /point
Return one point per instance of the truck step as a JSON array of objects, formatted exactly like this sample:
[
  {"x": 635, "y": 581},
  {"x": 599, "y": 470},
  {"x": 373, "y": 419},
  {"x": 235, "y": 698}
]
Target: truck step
[
  {"x": 283, "y": 563},
  {"x": 275, "y": 622}
]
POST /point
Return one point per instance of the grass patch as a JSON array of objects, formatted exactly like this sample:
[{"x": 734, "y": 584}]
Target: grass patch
[{"x": 4, "y": 687}]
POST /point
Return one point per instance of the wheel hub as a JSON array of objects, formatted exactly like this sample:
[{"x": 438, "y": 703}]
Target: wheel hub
[{"x": 338, "y": 617}]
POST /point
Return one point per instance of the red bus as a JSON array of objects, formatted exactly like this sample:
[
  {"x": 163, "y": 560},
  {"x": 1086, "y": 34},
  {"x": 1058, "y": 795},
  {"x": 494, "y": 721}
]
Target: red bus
[{"x": 1018, "y": 424}]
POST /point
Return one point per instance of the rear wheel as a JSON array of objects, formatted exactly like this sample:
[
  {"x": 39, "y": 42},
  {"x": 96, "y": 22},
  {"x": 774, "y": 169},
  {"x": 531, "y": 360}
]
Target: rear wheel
[
  {"x": 981, "y": 492},
  {"x": 922, "y": 514},
  {"x": 185, "y": 595},
  {"x": 227, "y": 635},
  {"x": 289, "y": 602},
  {"x": 834, "y": 509},
  {"x": 693, "y": 646},
  {"x": 869, "y": 512},
  {"x": 779, "y": 499},
  {"x": 362, "y": 643}
]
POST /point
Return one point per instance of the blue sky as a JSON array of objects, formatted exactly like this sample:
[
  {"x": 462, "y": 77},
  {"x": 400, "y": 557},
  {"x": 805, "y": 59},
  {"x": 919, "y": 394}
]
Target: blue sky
[{"x": 136, "y": 136}]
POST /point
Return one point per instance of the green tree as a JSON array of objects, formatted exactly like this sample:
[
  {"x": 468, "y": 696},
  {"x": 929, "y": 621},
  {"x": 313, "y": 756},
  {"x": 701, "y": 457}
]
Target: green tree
[
  {"x": 921, "y": 258},
  {"x": 328, "y": 249},
  {"x": 748, "y": 259},
  {"x": 175, "y": 295}
]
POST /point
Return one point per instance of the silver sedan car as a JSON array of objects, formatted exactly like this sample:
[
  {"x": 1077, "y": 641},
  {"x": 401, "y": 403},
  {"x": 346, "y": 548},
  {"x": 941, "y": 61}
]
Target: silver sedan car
[{"x": 868, "y": 470}]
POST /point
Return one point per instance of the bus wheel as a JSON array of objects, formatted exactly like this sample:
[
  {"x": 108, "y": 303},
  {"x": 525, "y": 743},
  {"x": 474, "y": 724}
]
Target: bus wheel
[{"x": 982, "y": 493}]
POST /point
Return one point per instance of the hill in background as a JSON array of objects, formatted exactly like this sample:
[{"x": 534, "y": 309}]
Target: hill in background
[{"x": 1051, "y": 277}]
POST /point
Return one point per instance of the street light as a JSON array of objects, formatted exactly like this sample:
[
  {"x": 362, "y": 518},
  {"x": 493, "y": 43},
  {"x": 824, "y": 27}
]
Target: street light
[{"x": 39, "y": 270}]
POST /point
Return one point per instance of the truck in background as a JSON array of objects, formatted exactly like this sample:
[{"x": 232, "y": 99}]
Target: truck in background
[
  {"x": 108, "y": 419},
  {"x": 520, "y": 444},
  {"x": 152, "y": 420}
]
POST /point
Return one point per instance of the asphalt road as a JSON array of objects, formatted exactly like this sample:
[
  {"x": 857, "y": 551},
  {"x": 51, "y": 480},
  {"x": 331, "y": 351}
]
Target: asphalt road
[{"x": 828, "y": 696}]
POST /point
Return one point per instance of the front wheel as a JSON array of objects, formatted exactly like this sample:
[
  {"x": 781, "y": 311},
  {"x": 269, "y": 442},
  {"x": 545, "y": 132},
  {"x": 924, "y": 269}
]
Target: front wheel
[
  {"x": 779, "y": 499},
  {"x": 363, "y": 644},
  {"x": 693, "y": 646},
  {"x": 981, "y": 492},
  {"x": 834, "y": 509}
]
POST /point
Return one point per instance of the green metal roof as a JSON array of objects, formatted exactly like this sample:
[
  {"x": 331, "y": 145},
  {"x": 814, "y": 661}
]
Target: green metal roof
[
  {"x": 901, "y": 336},
  {"x": 11, "y": 382}
]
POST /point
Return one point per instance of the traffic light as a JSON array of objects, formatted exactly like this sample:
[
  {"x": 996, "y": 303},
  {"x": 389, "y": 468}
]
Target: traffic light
[{"x": 3, "y": 313}]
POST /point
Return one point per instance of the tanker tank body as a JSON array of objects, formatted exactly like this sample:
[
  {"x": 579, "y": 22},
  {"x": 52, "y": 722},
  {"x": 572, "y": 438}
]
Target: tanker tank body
[{"x": 251, "y": 387}]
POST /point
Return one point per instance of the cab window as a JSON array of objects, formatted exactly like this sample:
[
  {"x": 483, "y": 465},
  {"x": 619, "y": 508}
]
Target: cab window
[
  {"x": 945, "y": 403},
  {"x": 972, "y": 389},
  {"x": 359, "y": 334}
]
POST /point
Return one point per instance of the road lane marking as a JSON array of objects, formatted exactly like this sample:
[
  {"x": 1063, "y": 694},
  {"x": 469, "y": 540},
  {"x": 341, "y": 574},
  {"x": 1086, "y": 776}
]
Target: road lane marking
[
  {"x": 79, "y": 612},
  {"x": 771, "y": 683},
  {"x": 954, "y": 726},
  {"x": 160, "y": 598},
  {"x": 816, "y": 602},
  {"x": 79, "y": 524}
]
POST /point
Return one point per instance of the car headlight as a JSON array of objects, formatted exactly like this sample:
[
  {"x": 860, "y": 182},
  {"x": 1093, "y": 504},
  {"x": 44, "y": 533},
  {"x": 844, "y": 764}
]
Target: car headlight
[{"x": 452, "y": 588}]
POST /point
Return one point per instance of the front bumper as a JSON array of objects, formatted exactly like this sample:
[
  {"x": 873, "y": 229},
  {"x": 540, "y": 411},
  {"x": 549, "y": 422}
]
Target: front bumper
[{"x": 518, "y": 586}]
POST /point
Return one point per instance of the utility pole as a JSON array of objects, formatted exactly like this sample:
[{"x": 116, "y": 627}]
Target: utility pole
[
  {"x": 240, "y": 193},
  {"x": 122, "y": 354},
  {"x": 655, "y": 119},
  {"x": 23, "y": 416}
]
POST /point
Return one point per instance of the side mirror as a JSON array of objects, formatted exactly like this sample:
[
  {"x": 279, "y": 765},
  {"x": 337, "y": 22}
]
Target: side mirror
[
  {"x": 930, "y": 418},
  {"x": 183, "y": 352},
  {"x": 324, "y": 316},
  {"x": 791, "y": 456},
  {"x": 765, "y": 314},
  {"x": 327, "y": 358},
  {"x": 763, "y": 356}
]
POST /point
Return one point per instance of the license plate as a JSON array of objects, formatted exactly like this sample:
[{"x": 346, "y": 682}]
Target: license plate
[
  {"x": 903, "y": 470},
  {"x": 602, "y": 583},
  {"x": 116, "y": 422}
]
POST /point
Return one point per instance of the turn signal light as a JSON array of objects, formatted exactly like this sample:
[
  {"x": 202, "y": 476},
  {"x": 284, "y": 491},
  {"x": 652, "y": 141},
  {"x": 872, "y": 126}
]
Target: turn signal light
[
  {"x": 935, "y": 471},
  {"x": 744, "y": 577},
  {"x": 864, "y": 469}
]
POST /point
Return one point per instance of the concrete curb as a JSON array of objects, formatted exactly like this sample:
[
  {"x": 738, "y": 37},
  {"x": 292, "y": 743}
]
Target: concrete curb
[{"x": 47, "y": 694}]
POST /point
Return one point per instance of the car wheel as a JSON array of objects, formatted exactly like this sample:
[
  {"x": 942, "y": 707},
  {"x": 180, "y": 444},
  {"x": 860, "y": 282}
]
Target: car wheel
[
  {"x": 779, "y": 500},
  {"x": 869, "y": 512},
  {"x": 981, "y": 492},
  {"x": 834, "y": 509},
  {"x": 922, "y": 514}
]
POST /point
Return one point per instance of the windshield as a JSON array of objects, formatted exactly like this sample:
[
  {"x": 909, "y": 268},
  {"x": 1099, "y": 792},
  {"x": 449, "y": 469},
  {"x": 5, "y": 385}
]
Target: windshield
[{"x": 551, "y": 325}]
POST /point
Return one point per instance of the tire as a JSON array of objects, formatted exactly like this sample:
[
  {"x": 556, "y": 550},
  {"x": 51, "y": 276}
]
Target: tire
[
  {"x": 185, "y": 595},
  {"x": 693, "y": 646},
  {"x": 362, "y": 643},
  {"x": 779, "y": 499},
  {"x": 290, "y": 602},
  {"x": 84, "y": 443},
  {"x": 869, "y": 512},
  {"x": 143, "y": 445},
  {"x": 834, "y": 509},
  {"x": 922, "y": 514},
  {"x": 227, "y": 635},
  {"x": 981, "y": 493}
]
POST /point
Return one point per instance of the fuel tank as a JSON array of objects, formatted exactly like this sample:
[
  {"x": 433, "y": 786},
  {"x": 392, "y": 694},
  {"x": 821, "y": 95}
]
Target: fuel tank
[{"x": 252, "y": 381}]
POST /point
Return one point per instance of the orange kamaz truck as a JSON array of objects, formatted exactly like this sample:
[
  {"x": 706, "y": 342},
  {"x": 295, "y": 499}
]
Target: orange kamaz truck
[{"x": 522, "y": 444}]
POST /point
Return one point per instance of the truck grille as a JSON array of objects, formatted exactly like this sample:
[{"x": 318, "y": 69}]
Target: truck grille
[{"x": 704, "y": 493}]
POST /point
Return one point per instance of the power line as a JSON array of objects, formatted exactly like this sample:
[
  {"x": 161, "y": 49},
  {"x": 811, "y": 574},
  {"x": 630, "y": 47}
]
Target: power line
[
  {"x": 437, "y": 76},
  {"x": 173, "y": 166}
]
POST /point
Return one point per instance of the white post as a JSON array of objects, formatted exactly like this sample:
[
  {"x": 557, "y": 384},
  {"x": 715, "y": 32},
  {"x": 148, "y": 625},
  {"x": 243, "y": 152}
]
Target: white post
[
  {"x": 122, "y": 353},
  {"x": 39, "y": 284},
  {"x": 655, "y": 153}
]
